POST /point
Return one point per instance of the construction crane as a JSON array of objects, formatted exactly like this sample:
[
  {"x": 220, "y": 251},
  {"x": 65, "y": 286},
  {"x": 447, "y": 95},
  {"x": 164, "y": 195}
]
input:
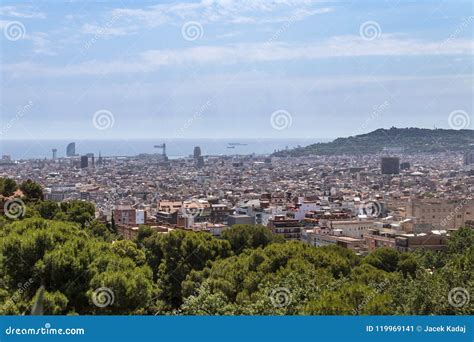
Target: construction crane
[{"x": 162, "y": 147}]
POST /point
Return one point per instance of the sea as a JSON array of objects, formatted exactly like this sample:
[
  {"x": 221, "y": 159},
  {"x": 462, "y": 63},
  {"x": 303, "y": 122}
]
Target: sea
[{"x": 175, "y": 148}]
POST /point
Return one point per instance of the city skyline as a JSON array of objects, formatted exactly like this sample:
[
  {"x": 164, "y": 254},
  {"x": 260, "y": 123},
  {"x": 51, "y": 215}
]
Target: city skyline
[{"x": 218, "y": 69}]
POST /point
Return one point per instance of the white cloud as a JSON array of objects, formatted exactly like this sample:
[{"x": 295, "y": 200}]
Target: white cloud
[
  {"x": 106, "y": 31},
  {"x": 231, "y": 34},
  {"x": 41, "y": 43},
  {"x": 26, "y": 12},
  {"x": 222, "y": 11},
  {"x": 342, "y": 46}
]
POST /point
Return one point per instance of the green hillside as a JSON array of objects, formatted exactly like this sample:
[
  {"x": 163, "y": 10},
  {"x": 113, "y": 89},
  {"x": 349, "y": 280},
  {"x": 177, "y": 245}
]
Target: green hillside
[{"x": 410, "y": 140}]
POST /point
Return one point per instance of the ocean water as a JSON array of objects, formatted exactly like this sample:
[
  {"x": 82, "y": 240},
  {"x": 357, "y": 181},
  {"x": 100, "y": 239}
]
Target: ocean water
[{"x": 30, "y": 149}]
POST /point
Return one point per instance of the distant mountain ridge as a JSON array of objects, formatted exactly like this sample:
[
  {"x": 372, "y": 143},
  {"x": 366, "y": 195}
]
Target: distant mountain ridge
[{"x": 410, "y": 140}]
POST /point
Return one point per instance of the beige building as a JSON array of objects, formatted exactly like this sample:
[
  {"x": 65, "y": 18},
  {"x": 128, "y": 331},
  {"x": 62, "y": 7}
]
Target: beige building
[
  {"x": 323, "y": 237},
  {"x": 170, "y": 206},
  {"x": 352, "y": 228},
  {"x": 412, "y": 242},
  {"x": 441, "y": 214}
]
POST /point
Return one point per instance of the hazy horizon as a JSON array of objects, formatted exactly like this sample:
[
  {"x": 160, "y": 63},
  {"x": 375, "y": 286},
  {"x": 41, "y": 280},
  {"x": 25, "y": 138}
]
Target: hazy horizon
[
  {"x": 34, "y": 149},
  {"x": 227, "y": 139}
]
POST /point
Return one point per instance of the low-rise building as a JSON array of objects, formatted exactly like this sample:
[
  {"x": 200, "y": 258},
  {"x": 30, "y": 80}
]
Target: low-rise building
[
  {"x": 410, "y": 242},
  {"x": 379, "y": 238},
  {"x": 323, "y": 237},
  {"x": 350, "y": 228},
  {"x": 127, "y": 215},
  {"x": 290, "y": 229},
  {"x": 240, "y": 219}
]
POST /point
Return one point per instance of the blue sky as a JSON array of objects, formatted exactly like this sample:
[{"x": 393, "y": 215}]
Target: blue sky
[{"x": 276, "y": 69}]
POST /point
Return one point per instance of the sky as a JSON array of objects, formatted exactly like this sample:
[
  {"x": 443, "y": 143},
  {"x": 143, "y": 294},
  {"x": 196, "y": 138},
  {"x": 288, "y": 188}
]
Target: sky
[{"x": 221, "y": 68}]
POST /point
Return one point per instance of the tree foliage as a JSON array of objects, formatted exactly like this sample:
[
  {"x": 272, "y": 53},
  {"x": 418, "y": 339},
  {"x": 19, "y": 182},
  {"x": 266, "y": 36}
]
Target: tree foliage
[
  {"x": 71, "y": 263},
  {"x": 245, "y": 236},
  {"x": 173, "y": 256},
  {"x": 85, "y": 268},
  {"x": 7, "y": 187},
  {"x": 31, "y": 190}
]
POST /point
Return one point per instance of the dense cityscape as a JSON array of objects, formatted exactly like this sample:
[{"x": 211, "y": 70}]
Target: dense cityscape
[{"x": 359, "y": 202}]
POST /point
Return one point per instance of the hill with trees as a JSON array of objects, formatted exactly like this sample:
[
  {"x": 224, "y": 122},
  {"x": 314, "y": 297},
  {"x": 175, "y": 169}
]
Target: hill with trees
[{"x": 410, "y": 140}]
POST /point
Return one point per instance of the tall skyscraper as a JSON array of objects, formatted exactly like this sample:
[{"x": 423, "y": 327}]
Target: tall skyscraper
[
  {"x": 54, "y": 153},
  {"x": 84, "y": 162},
  {"x": 71, "y": 149},
  {"x": 197, "y": 152},
  {"x": 390, "y": 165}
]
